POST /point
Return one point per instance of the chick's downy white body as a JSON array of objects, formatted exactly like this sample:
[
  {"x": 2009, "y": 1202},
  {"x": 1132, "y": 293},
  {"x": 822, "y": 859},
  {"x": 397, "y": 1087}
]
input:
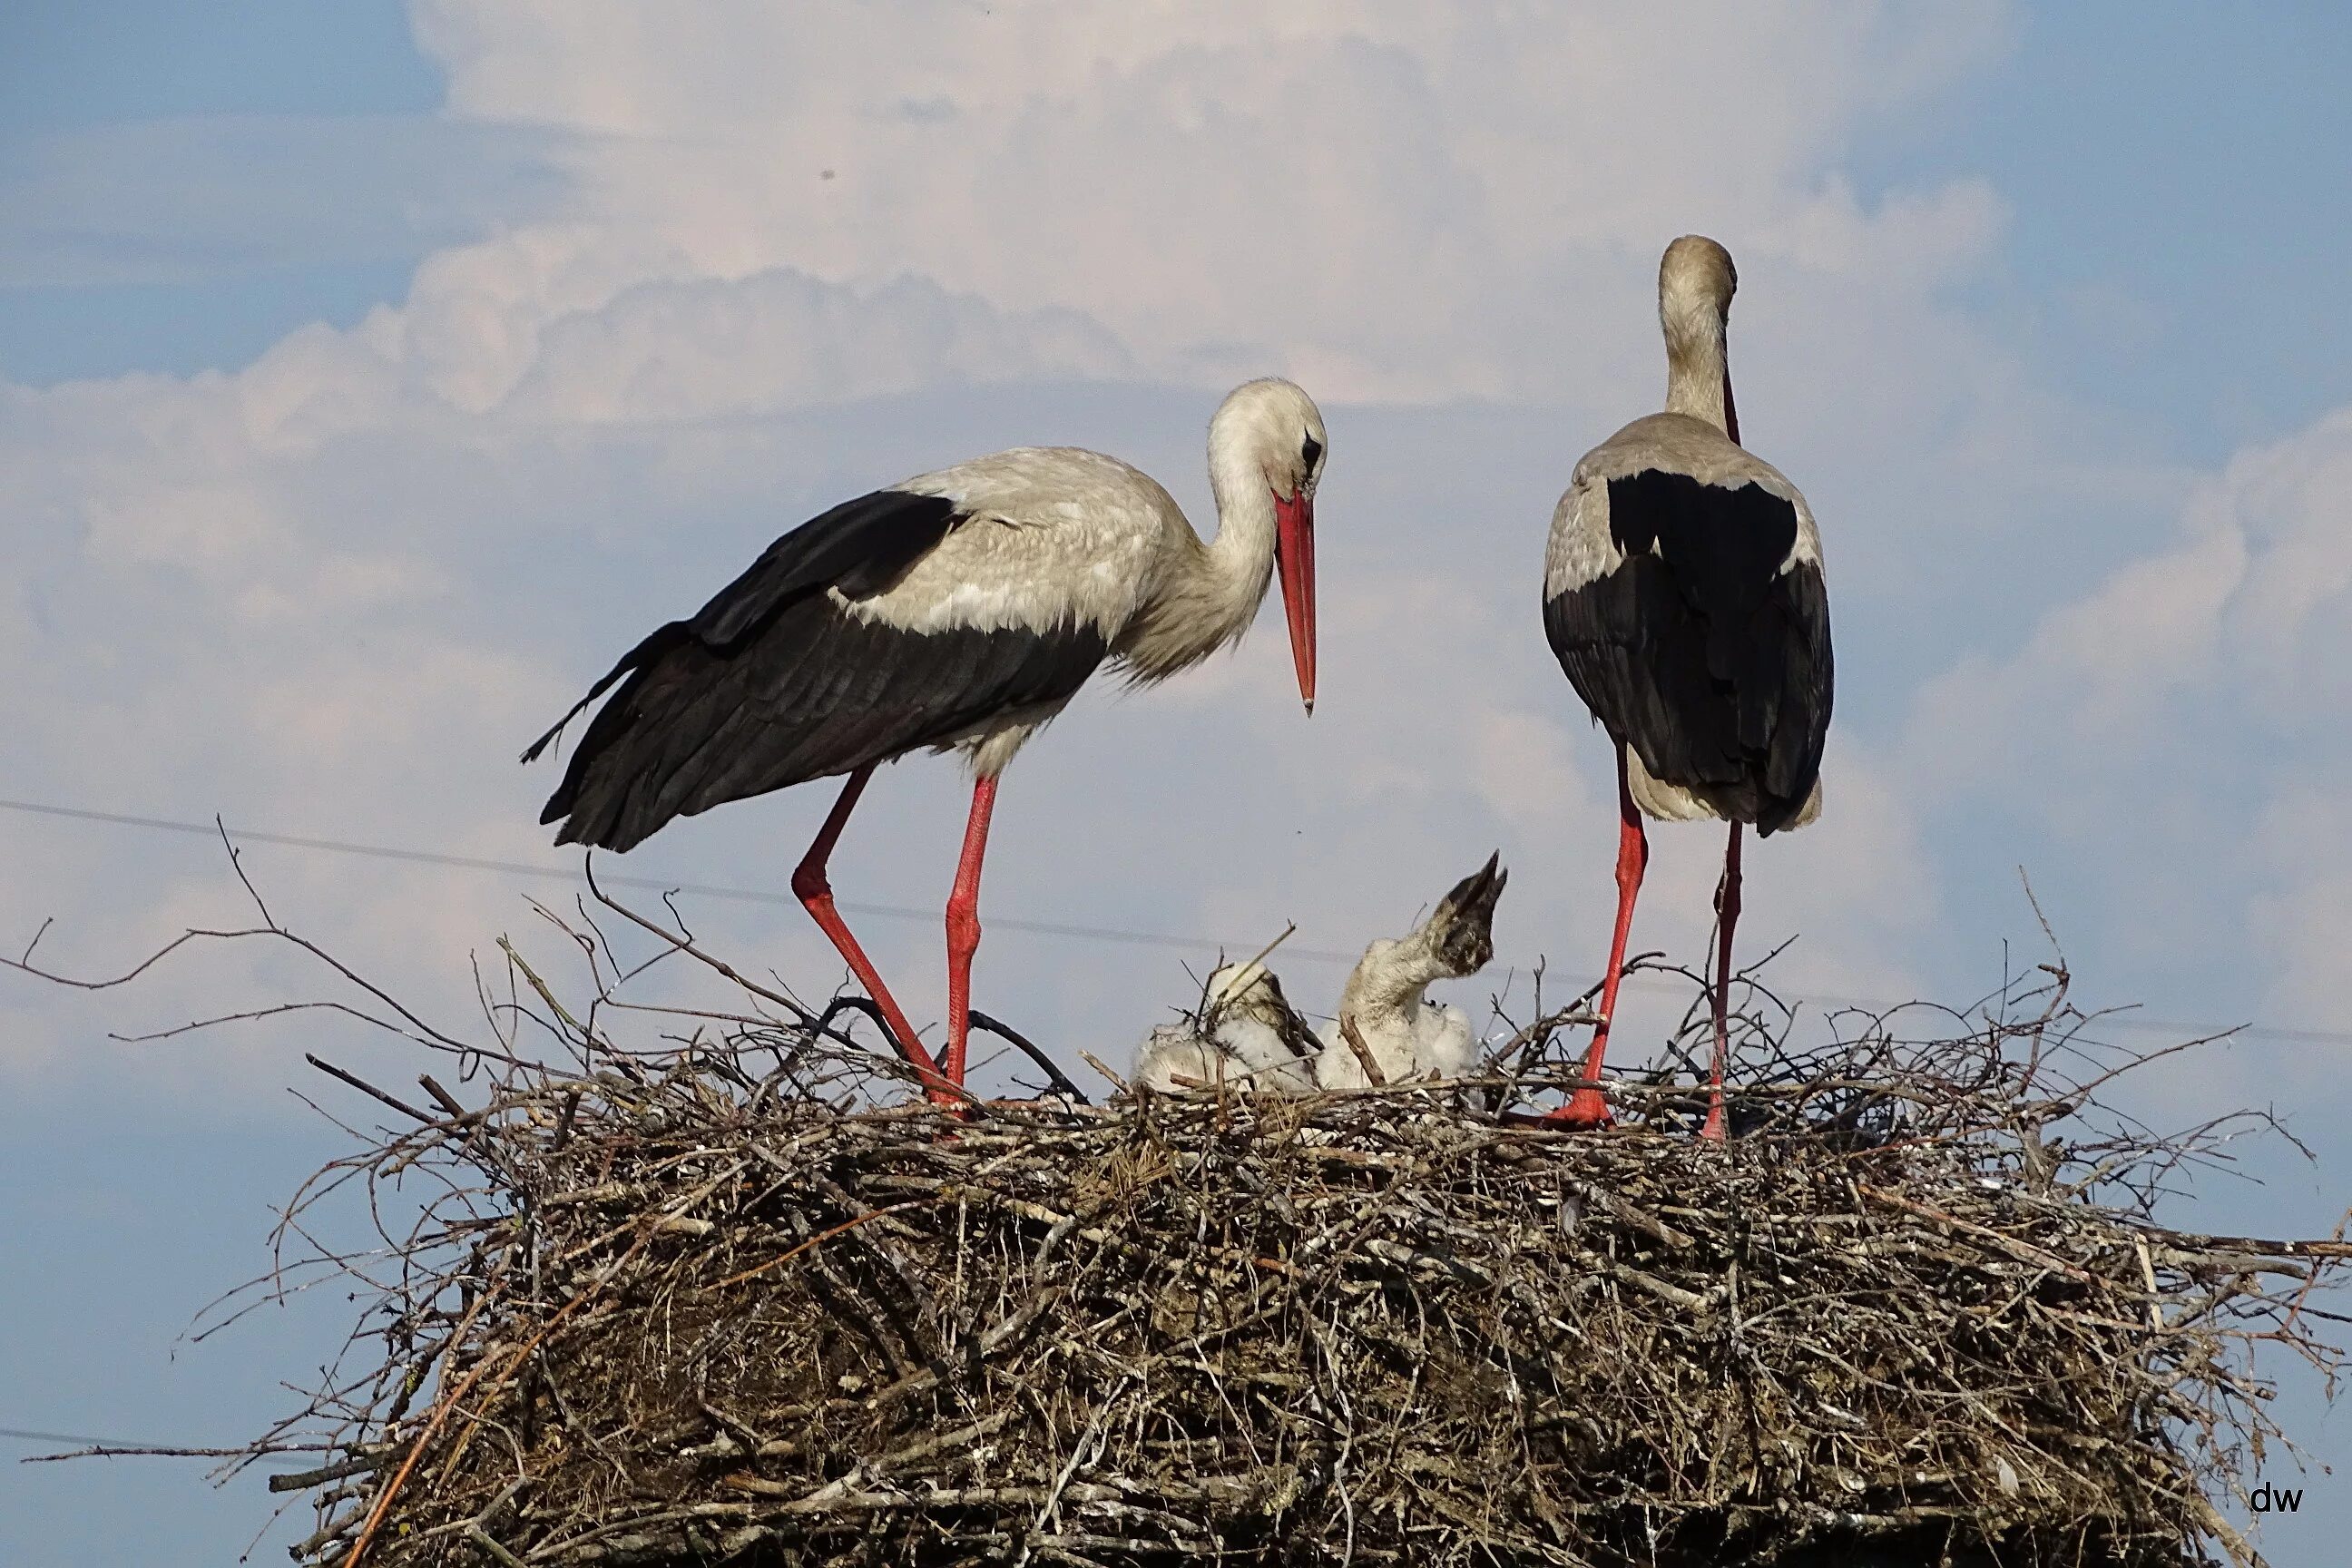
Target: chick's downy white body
[
  {"x": 1245, "y": 1036},
  {"x": 1425, "y": 1040},
  {"x": 1386, "y": 1005}
]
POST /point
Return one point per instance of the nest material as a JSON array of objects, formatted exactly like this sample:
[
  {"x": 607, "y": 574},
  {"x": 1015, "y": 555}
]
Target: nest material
[
  {"x": 720, "y": 1305},
  {"x": 720, "y": 1301}
]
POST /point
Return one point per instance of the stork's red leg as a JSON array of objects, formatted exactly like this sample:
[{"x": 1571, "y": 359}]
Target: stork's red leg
[
  {"x": 1727, "y": 915},
  {"x": 963, "y": 925},
  {"x": 1588, "y": 1107},
  {"x": 815, "y": 894}
]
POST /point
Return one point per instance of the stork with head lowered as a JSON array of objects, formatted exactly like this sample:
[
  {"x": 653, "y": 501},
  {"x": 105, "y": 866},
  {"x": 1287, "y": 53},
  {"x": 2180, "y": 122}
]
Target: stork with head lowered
[{"x": 962, "y": 610}]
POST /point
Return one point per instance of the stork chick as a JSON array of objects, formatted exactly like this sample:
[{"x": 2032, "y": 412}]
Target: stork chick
[
  {"x": 1385, "y": 1002},
  {"x": 1245, "y": 1035}
]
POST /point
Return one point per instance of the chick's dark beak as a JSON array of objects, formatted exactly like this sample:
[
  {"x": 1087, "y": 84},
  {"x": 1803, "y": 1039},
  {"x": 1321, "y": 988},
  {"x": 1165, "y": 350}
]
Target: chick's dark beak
[{"x": 1467, "y": 916}]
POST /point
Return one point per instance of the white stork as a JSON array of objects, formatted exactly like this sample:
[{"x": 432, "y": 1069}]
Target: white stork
[
  {"x": 961, "y": 609},
  {"x": 1682, "y": 593},
  {"x": 1245, "y": 1035},
  {"x": 1385, "y": 1001}
]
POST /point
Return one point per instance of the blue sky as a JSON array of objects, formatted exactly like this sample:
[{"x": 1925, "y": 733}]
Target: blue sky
[
  {"x": 2175, "y": 228},
  {"x": 271, "y": 112},
  {"x": 368, "y": 376}
]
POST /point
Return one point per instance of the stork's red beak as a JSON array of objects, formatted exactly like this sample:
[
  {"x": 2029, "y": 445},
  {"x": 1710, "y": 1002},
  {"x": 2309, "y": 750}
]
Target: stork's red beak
[{"x": 1294, "y": 553}]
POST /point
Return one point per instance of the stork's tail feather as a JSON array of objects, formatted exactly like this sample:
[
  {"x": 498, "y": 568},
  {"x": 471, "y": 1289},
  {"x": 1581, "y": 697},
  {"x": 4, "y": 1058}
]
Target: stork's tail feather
[
  {"x": 530, "y": 752},
  {"x": 630, "y": 660},
  {"x": 609, "y": 798},
  {"x": 601, "y": 803},
  {"x": 596, "y": 814}
]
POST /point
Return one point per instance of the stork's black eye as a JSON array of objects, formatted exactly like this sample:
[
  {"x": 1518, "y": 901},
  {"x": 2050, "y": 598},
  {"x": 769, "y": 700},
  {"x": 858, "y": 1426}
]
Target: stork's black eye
[{"x": 1309, "y": 452}]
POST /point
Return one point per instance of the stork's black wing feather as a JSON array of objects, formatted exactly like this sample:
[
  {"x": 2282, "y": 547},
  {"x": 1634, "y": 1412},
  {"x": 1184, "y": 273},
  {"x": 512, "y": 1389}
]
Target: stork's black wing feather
[
  {"x": 1698, "y": 651},
  {"x": 861, "y": 547},
  {"x": 774, "y": 682}
]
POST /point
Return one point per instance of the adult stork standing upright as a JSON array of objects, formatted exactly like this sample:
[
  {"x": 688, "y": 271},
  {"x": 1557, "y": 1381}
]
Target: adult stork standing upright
[
  {"x": 1682, "y": 593},
  {"x": 961, "y": 609}
]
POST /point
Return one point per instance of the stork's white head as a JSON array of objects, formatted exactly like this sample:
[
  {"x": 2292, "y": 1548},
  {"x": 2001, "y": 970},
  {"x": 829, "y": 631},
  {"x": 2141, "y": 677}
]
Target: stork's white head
[
  {"x": 1240, "y": 985},
  {"x": 1270, "y": 432},
  {"x": 1696, "y": 282}
]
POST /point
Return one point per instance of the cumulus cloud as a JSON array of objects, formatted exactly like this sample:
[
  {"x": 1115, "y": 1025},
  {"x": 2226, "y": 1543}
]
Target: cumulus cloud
[
  {"x": 2301, "y": 911},
  {"x": 2164, "y": 727},
  {"x": 1399, "y": 201},
  {"x": 709, "y": 348},
  {"x": 305, "y": 592},
  {"x": 2292, "y": 501},
  {"x": 2247, "y": 603}
]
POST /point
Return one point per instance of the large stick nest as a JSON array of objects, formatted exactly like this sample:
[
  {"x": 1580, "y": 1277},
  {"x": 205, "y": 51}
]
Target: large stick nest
[{"x": 741, "y": 1301}]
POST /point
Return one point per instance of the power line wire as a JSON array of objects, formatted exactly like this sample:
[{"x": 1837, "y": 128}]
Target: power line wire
[
  {"x": 656, "y": 884},
  {"x": 134, "y": 1447},
  {"x": 26, "y": 1434},
  {"x": 2283, "y": 1034}
]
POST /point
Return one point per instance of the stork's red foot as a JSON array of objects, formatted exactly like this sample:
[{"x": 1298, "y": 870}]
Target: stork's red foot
[{"x": 1587, "y": 1107}]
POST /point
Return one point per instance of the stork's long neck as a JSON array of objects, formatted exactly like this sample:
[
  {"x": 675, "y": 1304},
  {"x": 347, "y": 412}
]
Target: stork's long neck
[
  {"x": 1699, "y": 369},
  {"x": 1389, "y": 979},
  {"x": 1212, "y": 591},
  {"x": 1238, "y": 563}
]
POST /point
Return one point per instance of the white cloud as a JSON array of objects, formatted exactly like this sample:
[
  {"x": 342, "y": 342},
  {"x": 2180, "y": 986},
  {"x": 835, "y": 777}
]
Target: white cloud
[
  {"x": 2292, "y": 501},
  {"x": 1399, "y": 201},
  {"x": 2245, "y": 606},
  {"x": 2302, "y": 915},
  {"x": 2168, "y": 724},
  {"x": 273, "y": 592},
  {"x": 778, "y": 339}
]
